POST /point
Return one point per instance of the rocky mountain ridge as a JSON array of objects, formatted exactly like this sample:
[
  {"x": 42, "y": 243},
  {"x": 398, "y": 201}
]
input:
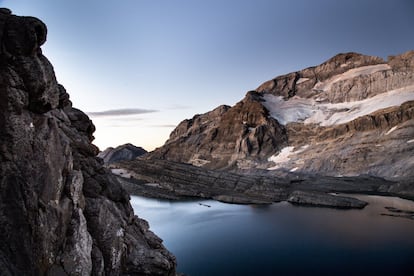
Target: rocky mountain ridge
[
  {"x": 350, "y": 115},
  {"x": 345, "y": 126},
  {"x": 61, "y": 211}
]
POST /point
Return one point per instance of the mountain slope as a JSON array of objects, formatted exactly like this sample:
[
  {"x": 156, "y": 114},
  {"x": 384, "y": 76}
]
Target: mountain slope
[{"x": 350, "y": 115}]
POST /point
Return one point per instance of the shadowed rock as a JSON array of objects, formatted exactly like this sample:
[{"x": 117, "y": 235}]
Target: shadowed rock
[{"x": 61, "y": 212}]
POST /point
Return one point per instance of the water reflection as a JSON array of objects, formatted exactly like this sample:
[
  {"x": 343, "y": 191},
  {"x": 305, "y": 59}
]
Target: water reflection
[{"x": 226, "y": 239}]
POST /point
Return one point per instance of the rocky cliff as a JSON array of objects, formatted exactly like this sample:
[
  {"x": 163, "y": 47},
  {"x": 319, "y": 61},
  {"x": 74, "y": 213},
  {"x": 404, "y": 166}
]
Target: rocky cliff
[
  {"x": 61, "y": 212},
  {"x": 350, "y": 115}
]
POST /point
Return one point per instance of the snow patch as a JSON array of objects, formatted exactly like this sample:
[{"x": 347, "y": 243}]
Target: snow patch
[
  {"x": 301, "y": 80},
  {"x": 294, "y": 110},
  {"x": 410, "y": 141},
  {"x": 310, "y": 111},
  {"x": 294, "y": 169},
  {"x": 391, "y": 130},
  {"x": 283, "y": 155}
]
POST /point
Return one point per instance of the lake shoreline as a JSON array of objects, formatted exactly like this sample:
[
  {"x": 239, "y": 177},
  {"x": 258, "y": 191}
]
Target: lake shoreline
[
  {"x": 342, "y": 200},
  {"x": 172, "y": 180}
]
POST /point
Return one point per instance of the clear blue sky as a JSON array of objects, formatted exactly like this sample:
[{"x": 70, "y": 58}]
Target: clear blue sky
[{"x": 157, "y": 62}]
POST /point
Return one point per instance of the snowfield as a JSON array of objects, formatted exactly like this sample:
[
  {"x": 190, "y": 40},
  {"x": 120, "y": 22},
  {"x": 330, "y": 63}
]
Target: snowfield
[
  {"x": 310, "y": 111},
  {"x": 284, "y": 156}
]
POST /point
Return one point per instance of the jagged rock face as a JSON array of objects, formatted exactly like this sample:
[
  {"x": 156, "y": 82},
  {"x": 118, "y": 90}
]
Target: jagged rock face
[
  {"x": 61, "y": 212},
  {"x": 302, "y": 82},
  {"x": 121, "y": 153},
  {"x": 351, "y": 115},
  {"x": 225, "y": 137}
]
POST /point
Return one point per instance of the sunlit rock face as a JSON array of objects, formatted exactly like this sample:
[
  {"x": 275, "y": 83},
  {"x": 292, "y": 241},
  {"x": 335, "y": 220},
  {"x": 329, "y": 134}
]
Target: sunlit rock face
[
  {"x": 350, "y": 115},
  {"x": 61, "y": 212}
]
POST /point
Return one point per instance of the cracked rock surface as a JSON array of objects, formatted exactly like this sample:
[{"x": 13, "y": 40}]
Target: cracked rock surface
[{"x": 61, "y": 212}]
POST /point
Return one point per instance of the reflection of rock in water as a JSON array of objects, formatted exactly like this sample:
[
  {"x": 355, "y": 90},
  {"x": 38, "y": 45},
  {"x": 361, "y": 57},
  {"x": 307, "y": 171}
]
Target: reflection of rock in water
[
  {"x": 388, "y": 206},
  {"x": 394, "y": 212}
]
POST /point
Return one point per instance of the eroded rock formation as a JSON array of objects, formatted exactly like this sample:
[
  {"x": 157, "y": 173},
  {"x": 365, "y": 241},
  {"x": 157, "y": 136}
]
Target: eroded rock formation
[{"x": 61, "y": 212}]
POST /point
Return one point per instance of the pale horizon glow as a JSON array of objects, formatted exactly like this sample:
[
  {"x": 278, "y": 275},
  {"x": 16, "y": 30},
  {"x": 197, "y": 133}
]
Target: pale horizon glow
[{"x": 140, "y": 67}]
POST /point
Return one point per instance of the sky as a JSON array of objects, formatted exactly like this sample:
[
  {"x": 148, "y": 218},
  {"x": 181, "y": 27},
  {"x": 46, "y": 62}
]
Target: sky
[{"x": 140, "y": 67}]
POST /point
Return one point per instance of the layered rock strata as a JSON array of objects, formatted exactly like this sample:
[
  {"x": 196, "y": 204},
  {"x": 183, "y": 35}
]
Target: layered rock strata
[
  {"x": 172, "y": 180},
  {"x": 61, "y": 212}
]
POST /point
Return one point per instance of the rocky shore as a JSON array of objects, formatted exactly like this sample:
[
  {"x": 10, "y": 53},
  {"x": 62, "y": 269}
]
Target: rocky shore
[{"x": 171, "y": 180}]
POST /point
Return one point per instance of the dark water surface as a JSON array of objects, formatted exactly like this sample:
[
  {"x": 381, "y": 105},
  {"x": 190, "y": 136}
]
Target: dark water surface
[{"x": 282, "y": 239}]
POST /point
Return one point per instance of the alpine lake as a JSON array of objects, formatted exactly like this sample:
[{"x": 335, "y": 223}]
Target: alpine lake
[{"x": 214, "y": 238}]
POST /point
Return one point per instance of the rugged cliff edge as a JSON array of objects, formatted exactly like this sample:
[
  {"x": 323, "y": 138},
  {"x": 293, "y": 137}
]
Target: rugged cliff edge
[{"x": 61, "y": 212}]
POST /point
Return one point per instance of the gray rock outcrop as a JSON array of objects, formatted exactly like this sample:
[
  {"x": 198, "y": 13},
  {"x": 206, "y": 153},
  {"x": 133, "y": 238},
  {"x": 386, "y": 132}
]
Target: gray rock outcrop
[
  {"x": 172, "y": 180},
  {"x": 325, "y": 200},
  {"x": 61, "y": 212},
  {"x": 124, "y": 152}
]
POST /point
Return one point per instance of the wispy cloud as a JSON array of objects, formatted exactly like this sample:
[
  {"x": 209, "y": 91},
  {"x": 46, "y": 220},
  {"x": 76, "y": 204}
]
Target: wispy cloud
[{"x": 120, "y": 112}]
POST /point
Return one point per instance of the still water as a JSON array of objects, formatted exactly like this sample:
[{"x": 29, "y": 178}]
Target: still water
[{"x": 214, "y": 238}]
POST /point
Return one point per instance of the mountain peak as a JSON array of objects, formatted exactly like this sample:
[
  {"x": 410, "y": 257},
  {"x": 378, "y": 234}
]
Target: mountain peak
[{"x": 357, "y": 105}]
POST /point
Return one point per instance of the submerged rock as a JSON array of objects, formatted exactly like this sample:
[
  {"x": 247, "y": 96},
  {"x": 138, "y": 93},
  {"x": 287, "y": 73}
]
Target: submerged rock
[{"x": 61, "y": 212}]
